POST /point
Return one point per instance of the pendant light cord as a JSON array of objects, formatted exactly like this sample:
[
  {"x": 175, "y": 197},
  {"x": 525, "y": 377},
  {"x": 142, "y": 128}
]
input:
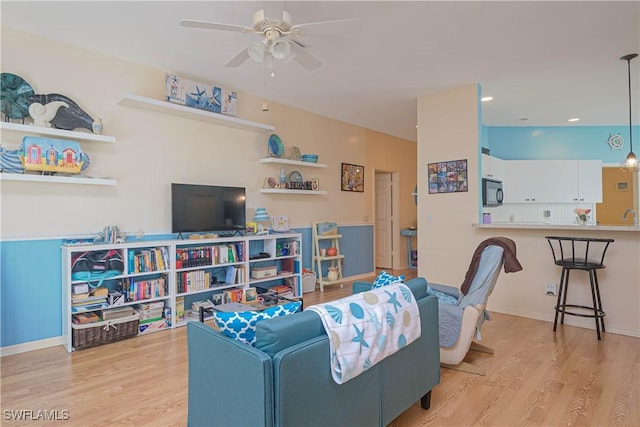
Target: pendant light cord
[{"x": 630, "y": 127}]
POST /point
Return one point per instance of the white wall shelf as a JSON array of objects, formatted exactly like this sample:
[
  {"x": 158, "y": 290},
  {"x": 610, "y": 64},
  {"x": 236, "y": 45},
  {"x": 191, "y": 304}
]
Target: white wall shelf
[
  {"x": 292, "y": 162},
  {"x": 177, "y": 110},
  {"x": 81, "y": 136},
  {"x": 56, "y": 179},
  {"x": 285, "y": 191}
]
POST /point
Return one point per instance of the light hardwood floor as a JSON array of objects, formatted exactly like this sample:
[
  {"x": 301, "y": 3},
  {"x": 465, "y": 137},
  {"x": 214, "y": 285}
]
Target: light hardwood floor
[{"x": 535, "y": 378}]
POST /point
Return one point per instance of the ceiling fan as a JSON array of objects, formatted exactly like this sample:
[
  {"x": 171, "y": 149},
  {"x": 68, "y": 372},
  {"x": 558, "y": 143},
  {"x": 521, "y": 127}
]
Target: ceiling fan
[{"x": 279, "y": 36}]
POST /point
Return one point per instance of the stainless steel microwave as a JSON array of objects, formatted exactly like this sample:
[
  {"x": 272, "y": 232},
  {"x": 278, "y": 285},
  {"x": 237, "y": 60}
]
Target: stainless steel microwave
[{"x": 492, "y": 193}]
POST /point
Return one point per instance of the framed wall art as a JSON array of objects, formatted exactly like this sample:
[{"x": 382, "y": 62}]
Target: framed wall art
[
  {"x": 352, "y": 178},
  {"x": 448, "y": 177}
]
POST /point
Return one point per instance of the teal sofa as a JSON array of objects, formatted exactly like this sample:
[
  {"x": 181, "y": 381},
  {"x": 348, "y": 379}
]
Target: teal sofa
[{"x": 285, "y": 380}]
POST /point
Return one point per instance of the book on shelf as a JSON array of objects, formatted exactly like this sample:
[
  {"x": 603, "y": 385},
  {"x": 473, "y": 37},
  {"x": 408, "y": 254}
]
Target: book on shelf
[
  {"x": 88, "y": 300},
  {"x": 88, "y": 307},
  {"x": 280, "y": 289},
  {"x": 180, "y": 309},
  {"x": 148, "y": 260},
  {"x": 84, "y": 318},
  {"x": 241, "y": 275},
  {"x": 223, "y": 254},
  {"x": 117, "y": 313},
  {"x": 230, "y": 275},
  {"x": 79, "y": 297},
  {"x": 233, "y": 295},
  {"x": 239, "y": 251},
  {"x": 193, "y": 257},
  {"x": 188, "y": 281},
  {"x": 145, "y": 289},
  {"x": 150, "y": 305},
  {"x": 80, "y": 288}
]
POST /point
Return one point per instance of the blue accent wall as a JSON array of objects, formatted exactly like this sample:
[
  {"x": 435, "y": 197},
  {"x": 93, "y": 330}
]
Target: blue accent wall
[
  {"x": 560, "y": 143},
  {"x": 31, "y": 280},
  {"x": 356, "y": 245},
  {"x": 30, "y": 290}
]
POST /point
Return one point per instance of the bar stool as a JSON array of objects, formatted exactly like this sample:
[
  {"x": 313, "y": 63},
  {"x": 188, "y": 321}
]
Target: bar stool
[{"x": 572, "y": 253}]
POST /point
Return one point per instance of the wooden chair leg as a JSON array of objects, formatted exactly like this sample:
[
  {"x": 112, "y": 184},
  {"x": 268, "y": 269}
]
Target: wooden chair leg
[
  {"x": 464, "y": 367},
  {"x": 479, "y": 347},
  {"x": 425, "y": 401}
]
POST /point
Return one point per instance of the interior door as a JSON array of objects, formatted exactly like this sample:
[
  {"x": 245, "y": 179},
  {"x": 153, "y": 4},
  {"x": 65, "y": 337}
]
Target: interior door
[
  {"x": 384, "y": 221},
  {"x": 618, "y": 188}
]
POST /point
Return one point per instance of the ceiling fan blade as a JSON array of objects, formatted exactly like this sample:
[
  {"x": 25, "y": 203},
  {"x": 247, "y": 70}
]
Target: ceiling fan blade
[
  {"x": 273, "y": 9},
  {"x": 238, "y": 60},
  {"x": 299, "y": 43},
  {"x": 325, "y": 28},
  {"x": 189, "y": 23},
  {"x": 303, "y": 58}
]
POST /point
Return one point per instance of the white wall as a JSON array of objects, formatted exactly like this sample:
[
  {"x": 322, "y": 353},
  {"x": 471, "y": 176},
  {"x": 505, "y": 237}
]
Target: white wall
[
  {"x": 447, "y": 131},
  {"x": 154, "y": 149}
]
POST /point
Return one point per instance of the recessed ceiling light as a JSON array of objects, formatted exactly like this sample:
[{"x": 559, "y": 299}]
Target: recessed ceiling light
[
  {"x": 575, "y": 119},
  {"x": 486, "y": 98}
]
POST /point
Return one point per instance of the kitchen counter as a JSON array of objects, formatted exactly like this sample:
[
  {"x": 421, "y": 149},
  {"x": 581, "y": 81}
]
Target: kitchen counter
[{"x": 543, "y": 226}]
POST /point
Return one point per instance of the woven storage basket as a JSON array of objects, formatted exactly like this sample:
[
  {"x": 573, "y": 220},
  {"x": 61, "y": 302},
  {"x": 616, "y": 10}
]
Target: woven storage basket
[{"x": 104, "y": 332}]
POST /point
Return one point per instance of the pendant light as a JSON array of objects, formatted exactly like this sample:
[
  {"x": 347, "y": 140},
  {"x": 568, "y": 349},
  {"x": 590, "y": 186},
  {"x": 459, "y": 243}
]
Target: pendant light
[{"x": 631, "y": 162}]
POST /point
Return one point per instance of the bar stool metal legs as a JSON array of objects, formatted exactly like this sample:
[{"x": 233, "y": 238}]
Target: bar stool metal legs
[
  {"x": 579, "y": 253},
  {"x": 598, "y": 312}
]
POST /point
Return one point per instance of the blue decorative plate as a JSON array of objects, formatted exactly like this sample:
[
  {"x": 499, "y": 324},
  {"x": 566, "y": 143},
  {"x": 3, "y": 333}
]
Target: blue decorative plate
[
  {"x": 295, "y": 176},
  {"x": 15, "y": 92},
  {"x": 276, "y": 148}
]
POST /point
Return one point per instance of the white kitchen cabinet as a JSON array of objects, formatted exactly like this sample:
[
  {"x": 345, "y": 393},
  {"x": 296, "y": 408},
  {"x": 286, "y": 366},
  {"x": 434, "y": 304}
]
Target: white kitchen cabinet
[
  {"x": 493, "y": 168},
  {"x": 522, "y": 181},
  {"x": 590, "y": 181},
  {"x": 553, "y": 181}
]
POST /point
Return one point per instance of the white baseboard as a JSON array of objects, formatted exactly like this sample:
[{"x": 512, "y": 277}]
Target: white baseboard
[
  {"x": 568, "y": 320},
  {"x": 359, "y": 277},
  {"x": 30, "y": 346}
]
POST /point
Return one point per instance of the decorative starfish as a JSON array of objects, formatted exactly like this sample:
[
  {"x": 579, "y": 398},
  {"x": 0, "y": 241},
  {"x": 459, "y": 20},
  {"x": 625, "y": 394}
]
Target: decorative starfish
[
  {"x": 359, "y": 338},
  {"x": 393, "y": 299},
  {"x": 199, "y": 94},
  {"x": 374, "y": 319}
]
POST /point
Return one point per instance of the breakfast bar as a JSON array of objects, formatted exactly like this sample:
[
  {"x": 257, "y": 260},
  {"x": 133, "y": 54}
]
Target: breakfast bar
[
  {"x": 525, "y": 294},
  {"x": 567, "y": 227}
]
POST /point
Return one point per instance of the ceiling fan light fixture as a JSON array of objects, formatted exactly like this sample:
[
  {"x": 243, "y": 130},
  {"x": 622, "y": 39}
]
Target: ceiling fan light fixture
[
  {"x": 280, "y": 49},
  {"x": 256, "y": 51}
]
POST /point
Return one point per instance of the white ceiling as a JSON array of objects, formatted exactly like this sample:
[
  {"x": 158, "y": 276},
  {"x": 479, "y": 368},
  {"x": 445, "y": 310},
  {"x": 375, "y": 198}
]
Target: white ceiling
[{"x": 546, "y": 61}]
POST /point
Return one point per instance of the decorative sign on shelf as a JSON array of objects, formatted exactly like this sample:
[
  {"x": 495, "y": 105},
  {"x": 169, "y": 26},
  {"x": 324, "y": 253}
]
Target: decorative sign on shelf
[{"x": 448, "y": 177}]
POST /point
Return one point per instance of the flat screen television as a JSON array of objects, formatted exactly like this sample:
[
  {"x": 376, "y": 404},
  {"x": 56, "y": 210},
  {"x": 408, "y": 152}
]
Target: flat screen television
[{"x": 198, "y": 208}]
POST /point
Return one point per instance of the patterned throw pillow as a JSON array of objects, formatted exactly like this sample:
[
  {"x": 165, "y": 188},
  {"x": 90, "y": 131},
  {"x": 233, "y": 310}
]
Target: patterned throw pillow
[
  {"x": 241, "y": 325},
  {"x": 385, "y": 279}
]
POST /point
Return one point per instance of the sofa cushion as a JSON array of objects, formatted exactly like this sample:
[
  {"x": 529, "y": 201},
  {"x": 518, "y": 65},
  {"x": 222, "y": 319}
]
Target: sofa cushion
[
  {"x": 241, "y": 325},
  {"x": 418, "y": 286},
  {"x": 385, "y": 279},
  {"x": 277, "y": 334}
]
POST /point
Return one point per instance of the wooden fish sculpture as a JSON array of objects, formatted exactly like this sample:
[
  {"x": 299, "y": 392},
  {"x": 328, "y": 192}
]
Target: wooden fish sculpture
[{"x": 68, "y": 118}]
